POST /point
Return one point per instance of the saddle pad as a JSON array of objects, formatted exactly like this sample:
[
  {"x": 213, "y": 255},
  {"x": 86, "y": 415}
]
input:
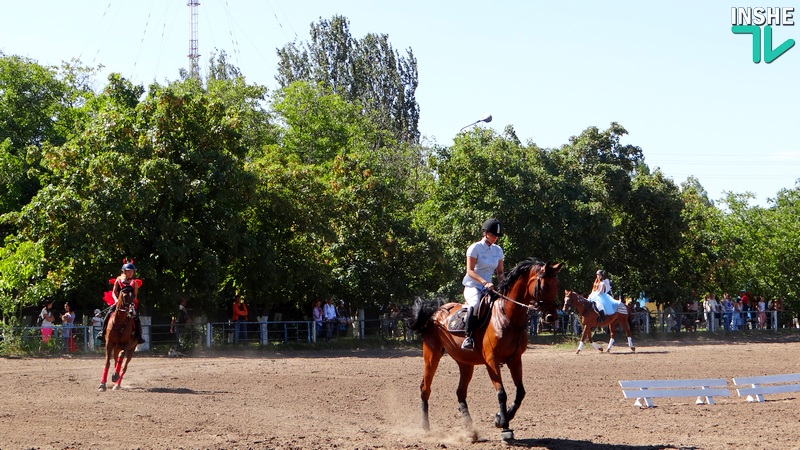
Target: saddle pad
[{"x": 457, "y": 322}]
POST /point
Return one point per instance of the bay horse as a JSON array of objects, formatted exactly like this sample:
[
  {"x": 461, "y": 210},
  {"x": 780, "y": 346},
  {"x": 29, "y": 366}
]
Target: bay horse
[
  {"x": 120, "y": 341},
  {"x": 590, "y": 319},
  {"x": 532, "y": 284}
]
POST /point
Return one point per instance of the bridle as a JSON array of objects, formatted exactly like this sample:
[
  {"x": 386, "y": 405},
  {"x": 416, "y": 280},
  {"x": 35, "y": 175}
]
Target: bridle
[
  {"x": 573, "y": 301},
  {"x": 536, "y": 293},
  {"x": 126, "y": 302}
]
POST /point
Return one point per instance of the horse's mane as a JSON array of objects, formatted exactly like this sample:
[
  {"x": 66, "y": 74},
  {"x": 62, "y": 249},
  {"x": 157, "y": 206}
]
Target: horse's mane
[
  {"x": 579, "y": 296},
  {"x": 523, "y": 268}
]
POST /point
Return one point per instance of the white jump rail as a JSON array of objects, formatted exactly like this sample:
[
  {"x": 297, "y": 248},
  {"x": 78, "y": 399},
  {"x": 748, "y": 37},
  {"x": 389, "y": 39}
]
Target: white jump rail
[
  {"x": 644, "y": 390},
  {"x": 767, "y": 384}
]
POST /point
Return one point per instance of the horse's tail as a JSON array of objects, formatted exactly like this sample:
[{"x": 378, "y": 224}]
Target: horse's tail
[{"x": 421, "y": 314}]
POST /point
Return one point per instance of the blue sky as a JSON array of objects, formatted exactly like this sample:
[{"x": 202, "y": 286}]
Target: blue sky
[{"x": 672, "y": 73}]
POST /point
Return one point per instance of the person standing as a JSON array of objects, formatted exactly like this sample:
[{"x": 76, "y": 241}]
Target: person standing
[
  {"x": 239, "y": 319},
  {"x": 761, "y": 307},
  {"x": 97, "y": 324},
  {"x": 738, "y": 318},
  {"x": 329, "y": 317},
  {"x": 727, "y": 312},
  {"x": 711, "y": 308},
  {"x": 47, "y": 319},
  {"x": 744, "y": 301},
  {"x": 344, "y": 318},
  {"x": 180, "y": 321},
  {"x": 316, "y": 314},
  {"x": 67, "y": 328},
  {"x": 484, "y": 259}
]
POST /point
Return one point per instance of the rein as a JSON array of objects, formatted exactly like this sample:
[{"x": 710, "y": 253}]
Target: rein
[
  {"x": 504, "y": 297},
  {"x": 529, "y": 306}
]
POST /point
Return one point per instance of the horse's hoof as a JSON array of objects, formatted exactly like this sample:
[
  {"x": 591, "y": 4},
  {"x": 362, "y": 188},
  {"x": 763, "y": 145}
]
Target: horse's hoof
[
  {"x": 498, "y": 422},
  {"x": 102, "y": 387},
  {"x": 507, "y": 435},
  {"x": 116, "y": 387},
  {"x": 633, "y": 349},
  {"x": 114, "y": 377}
]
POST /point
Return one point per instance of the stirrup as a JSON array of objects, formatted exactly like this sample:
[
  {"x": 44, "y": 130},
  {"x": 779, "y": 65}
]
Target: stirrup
[{"x": 468, "y": 344}]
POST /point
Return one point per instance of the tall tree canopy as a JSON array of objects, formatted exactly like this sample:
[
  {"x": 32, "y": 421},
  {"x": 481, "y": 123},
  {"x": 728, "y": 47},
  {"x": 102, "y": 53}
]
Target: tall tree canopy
[{"x": 368, "y": 71}]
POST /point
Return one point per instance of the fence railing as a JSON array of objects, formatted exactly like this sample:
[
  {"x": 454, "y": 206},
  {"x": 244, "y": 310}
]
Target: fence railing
[
  {"x": 671, "y": 322},
  {"x": 51, "y": 339},
  {"x": 82, "y": 338},
  {"x": 284, "y": 332}
]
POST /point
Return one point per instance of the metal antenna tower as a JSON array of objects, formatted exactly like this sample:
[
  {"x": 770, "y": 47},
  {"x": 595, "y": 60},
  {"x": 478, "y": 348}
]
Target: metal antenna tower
[{"x": 194, "y": 56}]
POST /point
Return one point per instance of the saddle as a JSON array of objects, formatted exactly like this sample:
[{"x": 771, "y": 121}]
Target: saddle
[{"x": 457, "y": 323}]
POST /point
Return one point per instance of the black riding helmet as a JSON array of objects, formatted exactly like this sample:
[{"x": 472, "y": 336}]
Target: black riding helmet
[{"x": 492, "y": 226}]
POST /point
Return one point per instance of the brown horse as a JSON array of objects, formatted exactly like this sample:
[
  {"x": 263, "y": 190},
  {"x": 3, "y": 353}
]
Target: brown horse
[
  {"x": 120, "y": 341},
  {"x": 532, "y": 284},
  {"x": 590, "y": 319}
]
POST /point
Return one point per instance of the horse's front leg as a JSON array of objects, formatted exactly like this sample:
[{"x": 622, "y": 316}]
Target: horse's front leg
[
  {"x": 104, "y": 376},
  {"x": 584, "y": 335},
  {"x": 611, "y": 329},
  {"x": 589, "y": 331},
  {"x": 431, "y": 357},
  {"x": 515, "y": 367},
  {"x": 128, "y": 355},
  {"x": 465, "y": 376},
  {"x": 501, "y": 418},
  {"x": 627, "y": 329}
]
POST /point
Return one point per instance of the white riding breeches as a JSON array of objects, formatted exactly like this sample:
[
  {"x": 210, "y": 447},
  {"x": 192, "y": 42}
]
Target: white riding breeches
[{"x": 472, "y": 296}]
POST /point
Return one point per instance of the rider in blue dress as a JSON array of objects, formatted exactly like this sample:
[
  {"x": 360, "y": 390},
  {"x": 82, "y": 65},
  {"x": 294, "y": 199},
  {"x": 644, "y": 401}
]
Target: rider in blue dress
[{"x": 601, "y": 296}]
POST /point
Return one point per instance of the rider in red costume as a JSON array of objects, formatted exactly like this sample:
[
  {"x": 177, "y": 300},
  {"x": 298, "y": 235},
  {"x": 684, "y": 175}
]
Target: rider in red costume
[{"x": 125, "y": 282}]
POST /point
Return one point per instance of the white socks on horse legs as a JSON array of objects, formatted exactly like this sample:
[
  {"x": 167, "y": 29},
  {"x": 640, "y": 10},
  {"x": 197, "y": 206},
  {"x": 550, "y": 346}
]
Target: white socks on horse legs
[
  {"x": 610, "y": 344},
  {"x": 580, "y": 345},
  {"x": 630, "y": 342}
]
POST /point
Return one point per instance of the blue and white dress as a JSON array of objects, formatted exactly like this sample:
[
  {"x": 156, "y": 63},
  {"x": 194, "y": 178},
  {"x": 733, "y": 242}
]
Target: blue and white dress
[{"x": 600, "y": 295}]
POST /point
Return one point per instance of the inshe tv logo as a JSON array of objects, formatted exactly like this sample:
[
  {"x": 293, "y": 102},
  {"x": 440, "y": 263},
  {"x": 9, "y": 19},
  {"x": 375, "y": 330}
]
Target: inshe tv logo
[{"x": 750, "y": 20}]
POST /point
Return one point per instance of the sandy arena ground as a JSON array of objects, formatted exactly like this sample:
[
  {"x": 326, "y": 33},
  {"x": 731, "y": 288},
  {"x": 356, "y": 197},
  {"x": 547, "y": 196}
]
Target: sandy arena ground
[{"x": 369, "y": 399}]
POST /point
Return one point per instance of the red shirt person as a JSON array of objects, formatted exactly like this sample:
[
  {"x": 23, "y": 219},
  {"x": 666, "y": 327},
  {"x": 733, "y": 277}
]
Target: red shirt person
[{"x": 239, "y": 317}]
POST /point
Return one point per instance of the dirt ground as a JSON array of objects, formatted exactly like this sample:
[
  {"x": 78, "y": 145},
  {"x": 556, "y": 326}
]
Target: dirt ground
[{"x": 369, "y": 399}]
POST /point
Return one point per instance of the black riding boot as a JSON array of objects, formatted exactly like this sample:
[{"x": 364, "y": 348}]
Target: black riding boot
[
  {"x": 468, "y": 343},
  {"x": 602, "y": 314},
  {"x": 138, "y": 331},
  {"x": 101, "y": 334}
]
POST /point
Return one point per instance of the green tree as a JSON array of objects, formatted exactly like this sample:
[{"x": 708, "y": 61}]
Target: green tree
[
  {"x": 160, "y": 180},
  {"x": 368, "y": 244},
  {"x": 648, "y": 238},
  {"x": 39, "y": 106},
  {"x": 779, "y": 268},
  {"x": 367, "y": 70},
  {"x": 597, "y": 170}
]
